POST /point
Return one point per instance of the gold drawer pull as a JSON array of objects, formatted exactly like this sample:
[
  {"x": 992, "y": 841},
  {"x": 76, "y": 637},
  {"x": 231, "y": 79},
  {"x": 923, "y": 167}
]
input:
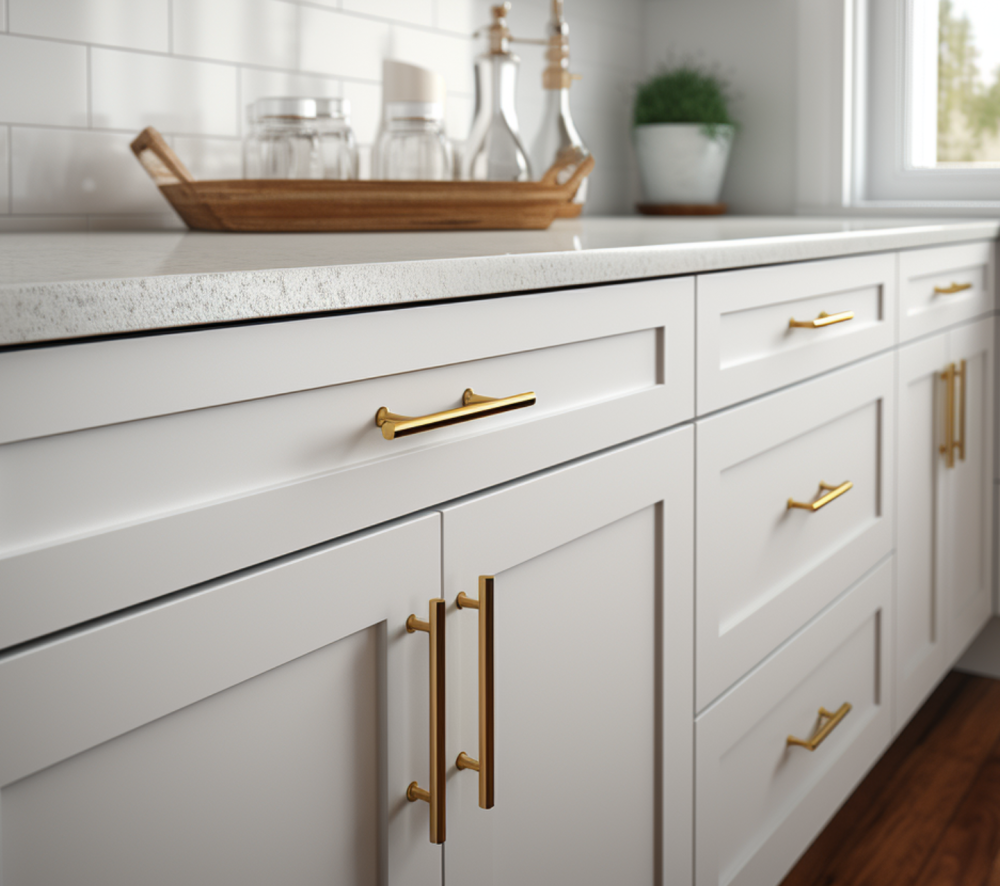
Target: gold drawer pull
[
  {"x": 951, "y": 290},
  {"x": 473, "y": 406},
  {"x": 435, "y": 793},
  {"x": 824, "y": 319},
  {"x": 484, "y": 765},
  {"x": 950, "y": 377},
  {"x": 832, "y": 493},
  {"x": 832, "y": 722},
  {"x": 963, "y": 376}
]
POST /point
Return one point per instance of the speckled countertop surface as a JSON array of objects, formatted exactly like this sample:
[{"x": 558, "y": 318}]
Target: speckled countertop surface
[{"x": 62, "y": 286}]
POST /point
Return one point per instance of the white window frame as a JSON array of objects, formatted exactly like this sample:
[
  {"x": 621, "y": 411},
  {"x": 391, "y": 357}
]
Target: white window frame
[{"x": 900, "y": 95}]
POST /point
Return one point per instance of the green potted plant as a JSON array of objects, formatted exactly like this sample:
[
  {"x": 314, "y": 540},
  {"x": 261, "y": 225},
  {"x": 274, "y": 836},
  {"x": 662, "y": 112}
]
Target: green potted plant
[{"x": 683, "y": 132}]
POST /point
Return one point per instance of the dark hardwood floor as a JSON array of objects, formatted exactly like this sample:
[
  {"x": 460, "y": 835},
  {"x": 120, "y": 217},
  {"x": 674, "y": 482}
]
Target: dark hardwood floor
[{"x": 928, "y": 814}]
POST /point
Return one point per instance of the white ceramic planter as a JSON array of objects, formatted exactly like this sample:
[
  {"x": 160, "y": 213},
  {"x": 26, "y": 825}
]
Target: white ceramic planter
[{"x": 678, "y": 163}]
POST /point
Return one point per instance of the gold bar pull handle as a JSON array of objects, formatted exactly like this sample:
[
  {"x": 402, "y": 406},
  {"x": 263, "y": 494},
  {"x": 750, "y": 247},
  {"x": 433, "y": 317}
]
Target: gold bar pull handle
[
  {"x": 824, "y": 319},
  {"x": 434, "y": 794},
  {"x": 832, "y": 492},
  {"x": 473, "y": 406},
  {"x": 961, "y": 375},
  {"x": 484, "y": 765},
  {"x": 951, "y": 290},
  {"x": 832, "y": 721},
  {"x": 947, "y": 449}
]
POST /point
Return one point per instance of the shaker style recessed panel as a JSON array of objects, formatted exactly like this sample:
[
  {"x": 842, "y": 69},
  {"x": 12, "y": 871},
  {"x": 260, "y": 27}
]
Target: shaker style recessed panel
[
  {"x": 944, "y": 285},
  {"x": 763, "y": 328},
  {"x": 779, "y": 753},
  {"x": 90, "y": 505},
  {"x": 794, "y": 504}
]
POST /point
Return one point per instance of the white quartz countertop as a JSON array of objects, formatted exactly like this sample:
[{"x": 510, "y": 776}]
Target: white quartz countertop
[{"x": 61, "y": 286}]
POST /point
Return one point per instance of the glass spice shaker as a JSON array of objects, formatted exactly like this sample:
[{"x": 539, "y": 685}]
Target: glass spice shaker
[
  {"x": 412, "y": 143},
  {"x": 300, "y": 138}
]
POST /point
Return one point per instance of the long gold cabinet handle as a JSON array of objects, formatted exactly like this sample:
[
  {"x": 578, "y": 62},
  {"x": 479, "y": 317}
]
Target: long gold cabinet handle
[
  {"x": 473, "y": 406},
  {"x": 961, "y": 375},
  {"x": 832, "y": 721},
  {"x": 484, "y": 765},
  {"x": 824, "y": 319},
  {"x": 947, "y": 449},
  {"x": 832, "y": 492},
  {"x": 435, "y": 793},
  {"x": 951, "y": 290}
]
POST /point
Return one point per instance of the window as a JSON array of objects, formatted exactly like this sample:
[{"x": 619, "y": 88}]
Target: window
[{"x": 930, "y": 112}]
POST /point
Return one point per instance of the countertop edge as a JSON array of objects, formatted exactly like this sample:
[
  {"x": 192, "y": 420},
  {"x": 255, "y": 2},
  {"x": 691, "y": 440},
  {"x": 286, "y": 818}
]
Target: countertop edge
[{"x": 55, "y": 312}]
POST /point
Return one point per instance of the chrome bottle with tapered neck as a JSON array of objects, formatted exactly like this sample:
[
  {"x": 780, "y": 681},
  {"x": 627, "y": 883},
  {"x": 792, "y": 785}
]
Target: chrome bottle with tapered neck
[
  {"x": 494, "y": 150},
  {"x": 558, "y": 132}
]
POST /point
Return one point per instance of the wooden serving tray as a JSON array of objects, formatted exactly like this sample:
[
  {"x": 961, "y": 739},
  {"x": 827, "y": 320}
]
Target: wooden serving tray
[{"x": 268, "y": 205}]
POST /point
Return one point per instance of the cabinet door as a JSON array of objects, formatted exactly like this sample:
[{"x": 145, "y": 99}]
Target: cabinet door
[
  {"x": 921, "y": 639},
  {"x": 969, "y": 504},
  {"x": 592, "y": 673},
  {"x": 260, "y": 729}
]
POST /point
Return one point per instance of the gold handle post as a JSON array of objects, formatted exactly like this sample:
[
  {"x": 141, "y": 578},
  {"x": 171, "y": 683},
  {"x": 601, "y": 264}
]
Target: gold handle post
[
  {"x": 832, "y": 722},
  {"x": 821, "y": 502},
  {"x": 951, "y": 290},
  {"x": 961, "y": 374},
  {"x": 484, "y": 765},
  {"x": 473, "y": 406},
  {"x": 947, "y": 449},
  {"x": 435, "y": 794},
  {"x": 824, "y": 319}
]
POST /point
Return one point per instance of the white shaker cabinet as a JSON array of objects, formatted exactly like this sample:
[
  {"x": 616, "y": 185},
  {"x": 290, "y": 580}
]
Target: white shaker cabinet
[
  {"x": 571, "y": 685},
  {"x": 944, "y": 465},
  {"x": 261, "y": 729}
]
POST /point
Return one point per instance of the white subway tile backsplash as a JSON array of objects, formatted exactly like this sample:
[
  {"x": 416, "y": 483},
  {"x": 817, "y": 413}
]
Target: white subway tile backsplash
[
  {"x": 44, "y": 83},
  {"x": 132, "y": 91},
  {"x": 258, "y": 32},
  {"x": 458, "y": 16},
  {"x": 417, "y": 12},
  {"x": 78, "y": 171},
  {"x": 448, "y": 54},
  {"x": 208, "y": 158},
  {"x": 190, "y": 67},
  {"x": 135, "y": 24},
  {"x": 366, "y": 110},
  {"x": 345, "y": 45}
]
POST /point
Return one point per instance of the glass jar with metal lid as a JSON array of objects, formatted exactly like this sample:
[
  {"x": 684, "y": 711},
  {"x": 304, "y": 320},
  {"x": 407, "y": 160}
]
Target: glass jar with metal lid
[{"x": 300, "y": 138}]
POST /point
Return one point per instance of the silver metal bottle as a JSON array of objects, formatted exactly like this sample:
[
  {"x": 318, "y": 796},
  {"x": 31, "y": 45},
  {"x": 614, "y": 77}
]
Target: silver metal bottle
[
  {"x": 558, "y": 132},
  {"x": 494, "y": 150}
]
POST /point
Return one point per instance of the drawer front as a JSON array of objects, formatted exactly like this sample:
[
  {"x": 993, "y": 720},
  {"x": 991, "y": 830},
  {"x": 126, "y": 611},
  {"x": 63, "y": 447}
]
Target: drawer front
[
  {"x": 103, "y": 518},
  {"x": 944, "y": 285},
  {"x": 765, "y": 568},
  {"x": 747, "y": 345},
  {"x": 759, "y": 800}
]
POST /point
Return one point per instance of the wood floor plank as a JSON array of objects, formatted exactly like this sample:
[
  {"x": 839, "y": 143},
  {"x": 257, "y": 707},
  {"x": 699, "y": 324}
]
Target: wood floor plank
[
  {"x": 887, "y": 830},
  {"x": 967, "y": 852}
]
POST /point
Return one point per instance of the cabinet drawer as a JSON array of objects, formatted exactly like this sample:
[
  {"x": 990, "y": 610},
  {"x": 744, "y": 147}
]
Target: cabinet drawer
[
  {"x": 102, "y": 518},
  {"x": 746, "y": 345},
  {"x": 942, "y": 286},
  {"x": 760, "y": 801},
  {"x": 765, "y": 568}
]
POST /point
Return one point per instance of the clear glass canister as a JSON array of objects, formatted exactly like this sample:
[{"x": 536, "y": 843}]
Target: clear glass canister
[
  {"x": 412, "y": 143},
  {"x": 300, "y": 138}
]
